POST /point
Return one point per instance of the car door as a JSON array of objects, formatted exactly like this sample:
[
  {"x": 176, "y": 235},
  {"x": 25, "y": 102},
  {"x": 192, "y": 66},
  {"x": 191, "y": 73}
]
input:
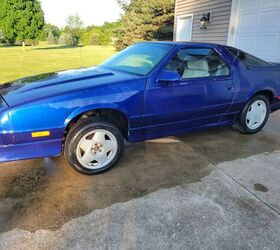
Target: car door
[{"x": 201, "y": 97}]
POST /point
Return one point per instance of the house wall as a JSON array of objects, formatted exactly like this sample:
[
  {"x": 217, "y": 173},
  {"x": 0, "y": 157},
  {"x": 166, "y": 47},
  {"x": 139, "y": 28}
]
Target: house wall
[{"x": 217, "y": 30}]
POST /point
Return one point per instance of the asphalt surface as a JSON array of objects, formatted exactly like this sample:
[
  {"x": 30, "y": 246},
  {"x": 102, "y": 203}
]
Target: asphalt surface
[{"x": 216, "y": 189}]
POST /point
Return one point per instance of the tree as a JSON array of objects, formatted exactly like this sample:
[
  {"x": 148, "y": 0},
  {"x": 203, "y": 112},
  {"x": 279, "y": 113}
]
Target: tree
[
  {"x": 124, "y": 4},
  {"x": 2, "y": 38},
  {"x": 46, "y": 31},
  {"x": 145, "y": 20},
  {"x": 61, "y": 39},
  {"x": 21, "y": 19},
  {"x": 74, "y": 29},
  {"x": 98, "y": 35},
  {"x": 51, "y": 38}
]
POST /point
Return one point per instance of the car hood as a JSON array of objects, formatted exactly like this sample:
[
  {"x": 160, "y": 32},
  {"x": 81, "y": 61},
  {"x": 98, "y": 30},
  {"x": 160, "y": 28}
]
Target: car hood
[{"x": 50, "y": 84}]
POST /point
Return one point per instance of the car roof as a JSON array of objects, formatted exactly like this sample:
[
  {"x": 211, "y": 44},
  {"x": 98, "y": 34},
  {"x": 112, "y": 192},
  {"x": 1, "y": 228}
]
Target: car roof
[{"x": 191, "y": 44}]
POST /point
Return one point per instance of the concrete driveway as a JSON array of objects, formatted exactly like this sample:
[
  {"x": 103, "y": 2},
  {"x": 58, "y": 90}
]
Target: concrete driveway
[{"x": 206, "y": 190}]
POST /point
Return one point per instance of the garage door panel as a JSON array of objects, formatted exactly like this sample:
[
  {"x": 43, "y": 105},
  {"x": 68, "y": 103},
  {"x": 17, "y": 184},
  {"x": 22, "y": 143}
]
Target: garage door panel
[
  {"x": 250, "y": 5},
  {"x": 247, "y": 22},
  {"x": 270, "y": 3},
  {"x": 268, "y": 20},
  {"x": 268, "y": 41},
  {"x": 278, "y": 45},
  {"x": 246, "y": 42}
]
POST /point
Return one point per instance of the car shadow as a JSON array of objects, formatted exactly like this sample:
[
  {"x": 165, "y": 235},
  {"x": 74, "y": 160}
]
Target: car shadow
[{"x": 59, "y": 47}]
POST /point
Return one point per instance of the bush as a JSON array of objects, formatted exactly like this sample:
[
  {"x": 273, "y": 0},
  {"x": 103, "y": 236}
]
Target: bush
[{"x": 67, "y": 39}]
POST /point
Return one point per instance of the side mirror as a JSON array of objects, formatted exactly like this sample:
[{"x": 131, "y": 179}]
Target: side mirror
[{"x": 168, "y": 77}]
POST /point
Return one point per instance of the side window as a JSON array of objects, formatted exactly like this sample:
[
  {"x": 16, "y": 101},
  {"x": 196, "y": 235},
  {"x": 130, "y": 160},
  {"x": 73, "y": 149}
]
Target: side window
[
  {"x": 198, "y": 62},
  {"x": 247, "y": 59}
]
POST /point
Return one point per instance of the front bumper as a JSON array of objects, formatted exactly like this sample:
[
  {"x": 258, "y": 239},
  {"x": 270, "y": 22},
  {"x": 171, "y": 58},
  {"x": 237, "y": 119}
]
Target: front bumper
[
  {"x": 26, "y": 151},
  {"x": 275, "y": 104}
]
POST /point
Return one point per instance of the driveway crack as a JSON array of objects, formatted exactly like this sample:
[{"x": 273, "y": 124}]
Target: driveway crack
[{"x": 242, "y": 186}]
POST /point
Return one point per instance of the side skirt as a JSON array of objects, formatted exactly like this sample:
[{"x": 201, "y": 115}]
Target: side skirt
[{"x": 138, "y": 138}]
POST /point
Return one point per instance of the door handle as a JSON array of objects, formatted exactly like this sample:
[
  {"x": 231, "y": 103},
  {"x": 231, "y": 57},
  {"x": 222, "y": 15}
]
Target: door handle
[{"x": 230, "y": 88}]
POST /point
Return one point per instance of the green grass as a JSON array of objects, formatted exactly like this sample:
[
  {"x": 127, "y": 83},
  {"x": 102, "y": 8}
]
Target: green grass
[{"x": 16, "y": 63}]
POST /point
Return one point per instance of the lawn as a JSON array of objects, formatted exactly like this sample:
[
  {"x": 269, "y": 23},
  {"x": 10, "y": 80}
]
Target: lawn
[{"x": 16, "y": 63}]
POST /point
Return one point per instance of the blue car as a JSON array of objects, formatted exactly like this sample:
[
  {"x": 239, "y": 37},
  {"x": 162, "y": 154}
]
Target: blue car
[{"x": 146, "y": 91}]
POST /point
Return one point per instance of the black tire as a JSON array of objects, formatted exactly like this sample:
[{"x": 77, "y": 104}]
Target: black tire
[
  {"x": 78, "y": 131},
  {"x": 241, "y": 123}
]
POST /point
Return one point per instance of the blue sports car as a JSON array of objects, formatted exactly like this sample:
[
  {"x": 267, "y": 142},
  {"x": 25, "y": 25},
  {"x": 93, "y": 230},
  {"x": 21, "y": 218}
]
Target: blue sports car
[{"x": 148, "y": 90}]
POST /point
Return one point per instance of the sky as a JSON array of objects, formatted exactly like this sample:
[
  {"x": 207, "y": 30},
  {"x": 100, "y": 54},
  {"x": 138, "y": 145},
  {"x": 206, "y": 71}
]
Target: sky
[{"x": 91, "y": 11}]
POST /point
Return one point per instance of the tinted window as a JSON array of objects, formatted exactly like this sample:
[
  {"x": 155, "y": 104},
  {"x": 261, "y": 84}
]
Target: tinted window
[
  {"x": 198, "y": 62},
  {"x": 139, "y": 59},
  {"x": 247, "y": 59}
]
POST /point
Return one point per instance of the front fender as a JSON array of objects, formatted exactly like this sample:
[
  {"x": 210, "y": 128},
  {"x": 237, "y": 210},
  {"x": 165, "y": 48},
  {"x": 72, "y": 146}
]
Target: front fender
[
  {"x": 6, "y": 130},
  {"x": 78, "y": 112}
]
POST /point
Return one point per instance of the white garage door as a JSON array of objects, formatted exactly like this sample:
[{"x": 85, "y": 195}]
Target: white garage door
[{"x": 258, "y": 28}]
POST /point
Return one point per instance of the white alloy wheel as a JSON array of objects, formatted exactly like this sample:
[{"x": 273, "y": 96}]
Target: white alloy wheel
[
  {"x": 256, "y": 114},
  {"x": 96, "y": 149}
]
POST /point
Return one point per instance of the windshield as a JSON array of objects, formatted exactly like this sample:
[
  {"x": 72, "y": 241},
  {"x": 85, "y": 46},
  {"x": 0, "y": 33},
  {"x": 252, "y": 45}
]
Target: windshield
[{"x": 138, "y": 59}]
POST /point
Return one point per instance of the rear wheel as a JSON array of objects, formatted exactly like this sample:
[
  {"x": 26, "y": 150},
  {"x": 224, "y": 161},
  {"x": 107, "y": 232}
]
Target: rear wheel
[
  {"x": 254, "y": 115},
  {"x": 93, "y": 146}
]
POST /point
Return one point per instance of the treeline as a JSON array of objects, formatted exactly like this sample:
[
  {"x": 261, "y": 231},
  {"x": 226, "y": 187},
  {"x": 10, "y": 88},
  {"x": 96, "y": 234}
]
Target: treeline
[
  {"x": 141, "y": 20},
  {"x": 72, "y": 34}
]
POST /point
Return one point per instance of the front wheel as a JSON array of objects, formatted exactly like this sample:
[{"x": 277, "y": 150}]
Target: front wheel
[
  {"x": 254, "y": 115},
  {"x": 93, "y": 146}
]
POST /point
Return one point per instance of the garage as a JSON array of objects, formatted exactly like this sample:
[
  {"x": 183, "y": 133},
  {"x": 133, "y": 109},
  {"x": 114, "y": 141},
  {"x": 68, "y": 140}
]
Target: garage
[
  {"x": 255, "y": 28},
  {"x": 251, "y": 25}
]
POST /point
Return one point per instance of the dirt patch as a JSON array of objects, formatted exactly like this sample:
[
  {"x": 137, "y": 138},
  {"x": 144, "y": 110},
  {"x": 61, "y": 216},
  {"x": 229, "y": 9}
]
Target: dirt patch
[{"x": 24, "y": 184}]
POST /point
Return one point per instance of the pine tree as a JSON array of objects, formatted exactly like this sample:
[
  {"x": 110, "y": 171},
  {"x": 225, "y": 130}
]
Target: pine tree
[
  {"x": 51, "y": 38},
  {"x": 146, "y": 20}
]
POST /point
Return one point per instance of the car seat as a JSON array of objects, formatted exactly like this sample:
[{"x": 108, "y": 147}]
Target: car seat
[{"x": 196, "y": 68}]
